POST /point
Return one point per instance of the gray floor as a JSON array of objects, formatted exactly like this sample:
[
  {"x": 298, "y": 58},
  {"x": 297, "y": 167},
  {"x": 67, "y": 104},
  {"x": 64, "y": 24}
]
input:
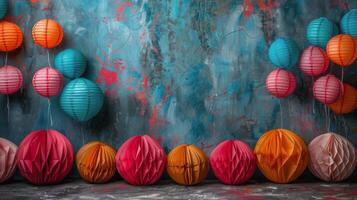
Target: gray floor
[{"x": 77, "y": 189}]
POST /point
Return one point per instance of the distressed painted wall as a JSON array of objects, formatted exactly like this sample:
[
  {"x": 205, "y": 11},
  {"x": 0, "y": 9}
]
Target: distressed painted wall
[{"x": 182, "y": 71}]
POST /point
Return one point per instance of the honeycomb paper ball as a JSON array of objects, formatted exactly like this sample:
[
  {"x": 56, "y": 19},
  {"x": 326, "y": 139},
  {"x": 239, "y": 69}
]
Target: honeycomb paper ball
[
  {"x": 284, "y": 53},
  {"x": 333, "y": 157},
  {"x": 342, "y": 50},
  {"x": 3, "y": 8},
  {"x": 282, "y": 156},
  {"x": 10, "y": 36},
  {"x": 7, "y": 159},
  {"x": 314, "y": 61},
  {"x": 47, "y": 33},
  {"x": 71, "y": 63},
  {"x": 10, "y": 79},
  {"x": 45, "y": 157},
  {"x": 320, "y": 31},
  {"x": 280, "y": 83},
  {"x": 233, "y": 162},
  {"x": 347, "y": 102},
  {"x": 349, "y": 23},
  {"x": 48, "y": 82},
  {"x": 187, "y": 165},
  {"x": 327, "y": 89},
  {"x": 96, "y": 162},
  {"x": 141, "y": 160}
]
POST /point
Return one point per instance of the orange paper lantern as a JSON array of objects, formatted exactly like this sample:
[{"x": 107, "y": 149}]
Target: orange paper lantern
[
  {"x": 96, "y": 162},
  {"x": 282, "y": 156},
  {"x": 346, "y": 103},
  {"x": 187, "y": 165},
  {"x": 342, "y": 50},
  {"x": 47, "y": 33},
  {"x": 10, "y": 36}
]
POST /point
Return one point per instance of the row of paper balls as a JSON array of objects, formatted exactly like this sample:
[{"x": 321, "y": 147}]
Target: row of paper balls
[{"x": 46, "y": 157}]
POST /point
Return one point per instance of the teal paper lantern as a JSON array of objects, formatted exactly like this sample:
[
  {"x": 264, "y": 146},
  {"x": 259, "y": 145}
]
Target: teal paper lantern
[
  {"x": 71, "y": 63},
  {"x": 284, "y": 53},
  {"x": 349, "y": 23},
  {"x": 320, "y": 31},
  {"x": 3, "y": 8},
  {"x": 81, "y": 99}
]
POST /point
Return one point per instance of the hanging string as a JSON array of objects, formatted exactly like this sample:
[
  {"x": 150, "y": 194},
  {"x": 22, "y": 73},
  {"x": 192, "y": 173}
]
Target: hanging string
[
  {"x": 289, "y": 112},
  {"x": 49, "y": 112},
  {"x": 8, "y": 108},
  {"x": 326, "y": 119},
  {"x": 342, "y": 74},
  {"x": 281, "y": 114},
  {"x": 313, "y": 99},
  {"x": 48, "y": 58},
  {"x": 5, "y": 59}
]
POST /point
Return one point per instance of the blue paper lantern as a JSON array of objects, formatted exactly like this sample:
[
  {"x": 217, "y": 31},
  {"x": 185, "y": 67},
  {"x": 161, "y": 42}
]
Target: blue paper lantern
[
  {"x": 81, "y": 99},
  {"x": 71, "y": 63},
  {"x": 3, "y": 8},
  {"x": 284, "y": 53},
  {"x": 349, "y": 23},
  {"x": 320, "y": 31}
]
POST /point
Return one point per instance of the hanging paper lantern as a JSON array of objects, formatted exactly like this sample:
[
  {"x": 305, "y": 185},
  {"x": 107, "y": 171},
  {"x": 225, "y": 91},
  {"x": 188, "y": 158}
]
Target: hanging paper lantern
[
  {"x": 7, "y": 159},
  {"x": 10, "y": 79},
  {"x": 47, "y": 33},
  {"x": 96, "y": 162},
  {"x": 48, "y": 82},
  {"x": 81, "y": 99},
  {"x": 3, "y": 8},
  {"x": 10, "y": 36},
  {"x": 71, "y": 63},
  {"x": 280, "y": 83},
  {"x": 284, "y": 53},
  {"x": 282, "y": 156},
  {"x": 45, "y": 157},
  {"x": 342, "y": 50},
  {"x": 141, "y": 160},
  {"x": 346, "y": 103},
  {"x": 333, "y": 157},
  {"x": 314, "y": 61},
  {"x": 327, "y": 89},
  {"x": 349, "y": 23},
  {"x": 187, "y": 165},
  {"x": 233, "y": 162},
  {"x": 320, "y": 31}
]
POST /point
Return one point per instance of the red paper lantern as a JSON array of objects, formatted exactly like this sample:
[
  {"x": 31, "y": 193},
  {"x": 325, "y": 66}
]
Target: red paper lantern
[
  {"x": 141, "y": 160},
  {"x": 10, "y": 36},
  {"x": 48, "y": 82},
  {"x": 45, "y": 157},
  {"x": 327, "y": 89},
  {"x": 10, "y": 79},
  {"x": 233, "y": 162},
  {"x": 7, "y": 159},
  {"x": 314, "y": 61},
  {"x": 281, "y": 83}
]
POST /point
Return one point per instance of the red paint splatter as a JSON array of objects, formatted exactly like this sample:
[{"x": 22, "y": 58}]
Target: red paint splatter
[
  {"x": 118, "y": 64},
  {"x": 248, "y": 8},
  {"x": 121, "y": 9},
  {"x": 108, "y": 77},
  {"x": 141, "y": 97},
  {"x": 267, "y": 7}
]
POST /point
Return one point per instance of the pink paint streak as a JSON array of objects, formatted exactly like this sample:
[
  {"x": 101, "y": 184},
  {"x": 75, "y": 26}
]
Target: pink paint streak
[{"x": 121, "y": 9}]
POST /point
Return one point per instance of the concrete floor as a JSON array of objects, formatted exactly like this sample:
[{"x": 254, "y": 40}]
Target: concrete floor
[{"x": 77, "y": 189}]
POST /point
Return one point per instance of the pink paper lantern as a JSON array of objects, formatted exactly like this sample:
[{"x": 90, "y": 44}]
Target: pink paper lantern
[
  {"x": 327, "y": 89},
  {"x": 45, "y": 157},
  {"x": 141, "y": 160},
  {"x": 233, "y": 162},
  {"x": 333, "y": 157},
  {"x": 314, "y": 61},
  {"x": 7, "y": 159},
  {"x": 48, "y": 82},
  {"x": 10, "y": 79},
  {"x": 280, "y": 83}
]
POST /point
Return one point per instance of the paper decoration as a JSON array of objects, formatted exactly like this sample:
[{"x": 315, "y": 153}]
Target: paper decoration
[
  {"x": 3, "y": 8},
  {"x": 349, "y": 23},
  {"x": 45, "y": 157},
  {"x": 141, "y": 160},
  {"x": 48, "y": 82},
  {"x": 282, "y": 156},
  {"x": 47, "y": 33},
  {"x": 96, "y": 162},
  {"x": 71, "y": 63},
  {"x": 333, "y": 157},
  {"x": 327, "y": 89},
  {"x": 280, "y": 83},
  {"x": 10, "y": 36},
  {"x": 10, "y": 79},
  {"x": 284, "y": 53},
  {"x": 187, "y": 165},
  {"x": 7, "y": 159},
  {"x": 347, "y": 102},
  {"x": 233, "y": 162},
  {"x": 314, "y": 61},
  {"x": 320, "y": 31},
  {"x": 342, "y": 50}
]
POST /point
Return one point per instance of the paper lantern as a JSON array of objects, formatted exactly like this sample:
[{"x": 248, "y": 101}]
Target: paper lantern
[
  {"x": 3, "y": 8},
  {"x": 320, "y": 31},
  {"x": 346, "y": 103},
  {"x": 71, "y": 63},
  {"x": 284, "y": 53},
  {"x": 47, "y": 33},
  {"x": 81, "y": 99},
  {"x": 233, "y": 162},
  {"x": 342, "y": 50},
  {"x": 10, "y": 79},
  {"x": 327, "y": 89},
  {"x": 45, "y": 157},
  {"x": 280, "y": 83},
  {"x": 10, "y": 36},
  {"x": 314, "y": 61},
  {"x": 187, "y": 165},
  {"x": 282, "y": 156},
  {"x": 96, "y": 162},
  {"x": 141, "y": 160},
  {"x": 7, "y": 159},
  {"x": 349, "y": 23},
  {"x": 48, "y": 82},
  {"x": 333, "y": 157}
]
